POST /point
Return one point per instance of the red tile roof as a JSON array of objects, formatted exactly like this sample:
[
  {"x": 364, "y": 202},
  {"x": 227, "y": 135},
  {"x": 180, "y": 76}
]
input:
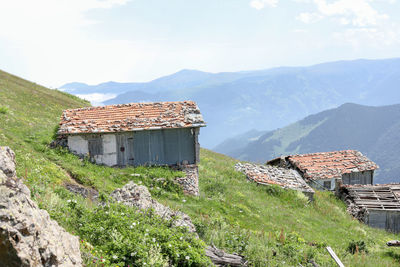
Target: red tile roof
[
  {"x": 131, "y": 117},
  {"x": 329, "y": 165}
]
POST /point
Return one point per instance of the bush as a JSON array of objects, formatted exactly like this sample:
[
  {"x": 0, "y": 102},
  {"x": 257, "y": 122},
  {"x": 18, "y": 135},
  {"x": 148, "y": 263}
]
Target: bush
[
  {"x": 122, "y": 236},
  {"x": 3, "y": 110},
  {"x": 357, "y": 247},
  {"x": 55, "y": 131}
]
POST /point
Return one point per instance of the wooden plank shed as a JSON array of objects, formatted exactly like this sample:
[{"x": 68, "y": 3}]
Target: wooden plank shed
[
  {"x": 162, "y": 133},
  {"x": 375, "y": 205}
]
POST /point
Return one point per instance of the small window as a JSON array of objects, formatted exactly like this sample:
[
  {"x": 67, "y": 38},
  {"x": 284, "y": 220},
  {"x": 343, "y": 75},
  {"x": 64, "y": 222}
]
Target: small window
[
  {"x": 95, "y": 146},
  {"x": 327, "y": 184}
]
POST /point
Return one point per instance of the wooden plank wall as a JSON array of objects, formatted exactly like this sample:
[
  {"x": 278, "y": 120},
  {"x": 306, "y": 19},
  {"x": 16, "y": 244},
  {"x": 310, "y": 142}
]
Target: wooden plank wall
[
  {"x": 365, "y": 177},
  {"x": 157, "y": 147}
]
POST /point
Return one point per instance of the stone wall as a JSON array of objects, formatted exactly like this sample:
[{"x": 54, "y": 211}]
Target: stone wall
[{"x": 189, "y": 183}]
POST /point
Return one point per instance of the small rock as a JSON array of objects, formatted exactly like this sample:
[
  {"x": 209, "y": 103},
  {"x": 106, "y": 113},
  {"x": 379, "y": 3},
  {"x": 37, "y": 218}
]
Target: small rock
[{"x": 139, "y": 196}]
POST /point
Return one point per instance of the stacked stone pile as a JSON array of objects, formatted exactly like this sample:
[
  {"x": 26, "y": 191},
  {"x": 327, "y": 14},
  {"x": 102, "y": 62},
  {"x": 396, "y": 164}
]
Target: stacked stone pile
[{"x": 189, "y": 183}]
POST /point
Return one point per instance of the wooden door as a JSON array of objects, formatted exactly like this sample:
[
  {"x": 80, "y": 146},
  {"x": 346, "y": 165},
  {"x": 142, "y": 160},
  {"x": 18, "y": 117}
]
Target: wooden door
[{"x": 130, "y": 150}]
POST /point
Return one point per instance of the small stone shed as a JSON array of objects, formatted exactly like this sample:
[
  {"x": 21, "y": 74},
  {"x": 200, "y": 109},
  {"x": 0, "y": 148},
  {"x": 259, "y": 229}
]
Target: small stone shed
[
  {"x": 271, "y": 175},
  {"x": 323, "y": 170},
  {"x": 376, "y": 205},
  {"x": 162, "y": 133}
]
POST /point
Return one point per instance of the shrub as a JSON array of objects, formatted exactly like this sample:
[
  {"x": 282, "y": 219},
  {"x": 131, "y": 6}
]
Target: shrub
[
  {"x": 54, "y": 133},
  {"x": 3, "y": 110},
  {"x": 123, "y": 236},
  {"x": 357, "y": 247}
]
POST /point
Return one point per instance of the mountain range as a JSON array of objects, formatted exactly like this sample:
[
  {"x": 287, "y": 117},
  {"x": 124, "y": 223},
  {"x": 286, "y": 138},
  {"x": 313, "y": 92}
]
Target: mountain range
[
  {"x": 375, "y": 131},
  {"x": 235, "y": 102}
]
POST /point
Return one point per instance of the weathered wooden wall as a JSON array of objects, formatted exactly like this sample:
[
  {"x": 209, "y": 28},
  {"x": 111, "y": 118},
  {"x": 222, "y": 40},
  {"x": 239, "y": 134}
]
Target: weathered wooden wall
[
  {"x": 365, "y": 177},
  {"x": 157, "y": 147},
  {"x": 384, "y": 219},
  {"x": 147, "y": 147}
]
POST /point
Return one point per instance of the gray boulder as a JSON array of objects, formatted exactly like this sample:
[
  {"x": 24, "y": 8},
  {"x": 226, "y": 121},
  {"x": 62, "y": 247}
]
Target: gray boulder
[
  {"x": 7, "y": 161},
  {"x": 139, "y": 196},
  {"x": 28, "y": 237}
]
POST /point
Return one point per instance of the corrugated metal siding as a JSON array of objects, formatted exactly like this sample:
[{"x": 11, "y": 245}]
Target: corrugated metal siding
[{"x": 156, "y": 147}]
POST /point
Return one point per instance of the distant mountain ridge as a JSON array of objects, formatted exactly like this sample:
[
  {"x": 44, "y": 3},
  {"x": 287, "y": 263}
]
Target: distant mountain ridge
[
  {"x": 235, "y": 102},
  {"x": 375, "y": 131}
]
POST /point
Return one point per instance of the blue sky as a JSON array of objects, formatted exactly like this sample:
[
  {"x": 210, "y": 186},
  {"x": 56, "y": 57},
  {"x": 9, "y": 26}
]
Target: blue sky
[{"x": 53, "y": 42}]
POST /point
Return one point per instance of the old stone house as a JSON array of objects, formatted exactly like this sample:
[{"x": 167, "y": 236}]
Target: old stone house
[
  {"x": 163, "y": 133},
  {"x": 323, "y": 170}
]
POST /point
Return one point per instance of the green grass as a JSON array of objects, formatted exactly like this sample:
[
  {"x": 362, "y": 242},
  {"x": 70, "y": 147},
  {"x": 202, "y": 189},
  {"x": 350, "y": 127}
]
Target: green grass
[
  {"x": 270, "y": 226},
  {"x": 230, "y": 204}
]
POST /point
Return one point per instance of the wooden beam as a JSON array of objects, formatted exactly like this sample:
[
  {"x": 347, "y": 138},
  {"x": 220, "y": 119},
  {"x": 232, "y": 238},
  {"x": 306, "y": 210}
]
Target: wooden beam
[{"x": 335, "y": 257}]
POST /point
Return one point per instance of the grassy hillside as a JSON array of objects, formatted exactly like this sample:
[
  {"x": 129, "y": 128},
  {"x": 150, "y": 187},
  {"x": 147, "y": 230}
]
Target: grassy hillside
[
  {"x": 372, "y": 130},
  {"x": 268, "y": 225}
]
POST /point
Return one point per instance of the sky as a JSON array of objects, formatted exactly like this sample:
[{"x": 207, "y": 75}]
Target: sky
[{"x": 52, "y": 42}]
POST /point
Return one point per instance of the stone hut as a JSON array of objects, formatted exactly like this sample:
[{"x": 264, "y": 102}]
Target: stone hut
[
  {"x": 323, "y": 170},
  {"x": 271, "y": 175},
  {"x": 162, "y": 133}
]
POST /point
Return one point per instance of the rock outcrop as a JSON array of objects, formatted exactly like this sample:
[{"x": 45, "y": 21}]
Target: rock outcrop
[
  {"x": 85, "y": 192},
  {"x": 139, "y": 196},
  {"x": 28, "y": 237},
  {"x": 7, "y": 161}
]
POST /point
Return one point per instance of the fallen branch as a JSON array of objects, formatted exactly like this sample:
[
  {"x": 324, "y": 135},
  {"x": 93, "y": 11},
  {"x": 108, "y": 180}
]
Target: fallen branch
[{"x": 220, "y": 258}]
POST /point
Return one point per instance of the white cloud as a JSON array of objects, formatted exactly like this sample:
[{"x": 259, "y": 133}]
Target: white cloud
[
  {"x": 97, "y": 99},
  {"x": 260, "y": 4},
  {"x": 376, "y": 37},
  {"x": 359, "y": 12},
  {"x": 309, "y": 17},
  {"x": 41, "y": 18},
  {"x": 51, "y": 36}
]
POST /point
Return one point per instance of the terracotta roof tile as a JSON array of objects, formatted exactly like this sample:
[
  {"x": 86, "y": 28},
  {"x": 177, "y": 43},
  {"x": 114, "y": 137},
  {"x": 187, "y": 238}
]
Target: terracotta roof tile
[
  {"x": 131, "y": 117},
  {"x": 329, "y": 165}
]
